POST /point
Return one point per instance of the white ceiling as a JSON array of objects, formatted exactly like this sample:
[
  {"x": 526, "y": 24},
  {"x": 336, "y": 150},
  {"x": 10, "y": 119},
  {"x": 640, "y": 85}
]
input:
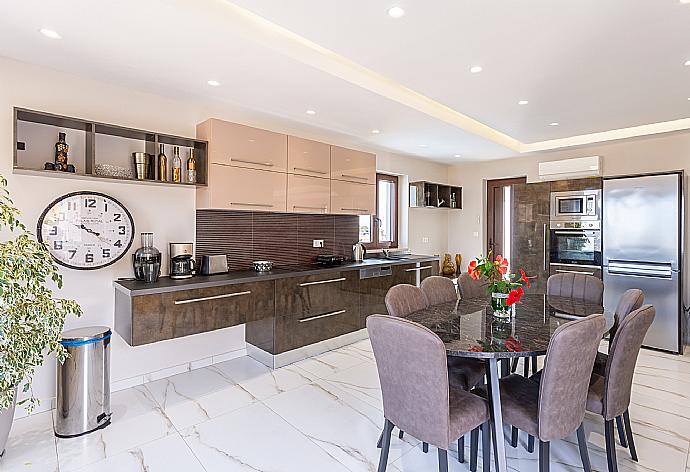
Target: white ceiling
[{"x": 590, "y": 65}]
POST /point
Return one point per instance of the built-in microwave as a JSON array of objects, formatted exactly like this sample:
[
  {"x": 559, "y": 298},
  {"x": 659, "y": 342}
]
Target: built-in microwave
[{"x": 581, "y": 205}]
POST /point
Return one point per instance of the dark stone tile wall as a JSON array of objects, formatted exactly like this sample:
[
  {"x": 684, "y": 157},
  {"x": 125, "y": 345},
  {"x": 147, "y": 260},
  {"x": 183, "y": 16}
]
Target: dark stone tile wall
[{"x": 284, "y": 238}]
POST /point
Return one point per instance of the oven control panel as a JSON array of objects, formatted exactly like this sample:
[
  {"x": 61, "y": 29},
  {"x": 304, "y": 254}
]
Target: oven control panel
[{"x": 575, "y": 225}]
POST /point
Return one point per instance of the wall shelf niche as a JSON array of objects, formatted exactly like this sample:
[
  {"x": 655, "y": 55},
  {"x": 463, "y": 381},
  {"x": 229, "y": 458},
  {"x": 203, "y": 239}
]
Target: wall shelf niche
[
  {"x": 92, "y": 143},
  {"x": 432, "y": 195}
]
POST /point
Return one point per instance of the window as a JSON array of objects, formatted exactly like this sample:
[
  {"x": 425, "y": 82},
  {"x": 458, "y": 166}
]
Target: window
[{"x": 380, "y": 231}]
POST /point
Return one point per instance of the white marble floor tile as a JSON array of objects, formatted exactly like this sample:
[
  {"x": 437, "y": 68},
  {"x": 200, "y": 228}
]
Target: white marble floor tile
[
  {"x": 330, "y": 363},
  {"x": 359, "y": 349},
  {"x": 31, "y": 445},
  {"x": 360, "y": 381},
  {"x": 256, "y": 439},
  {"x": 167, "y": 454},
  {"x": 344, "y": 426},
  {"x": 261, "y": 381},
  {"x": 137, "y": 419},
  {"x": 199, "y": 395}
]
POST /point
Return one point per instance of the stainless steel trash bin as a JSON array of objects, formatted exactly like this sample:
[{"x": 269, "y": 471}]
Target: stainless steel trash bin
[{"x": 83, "y": 382}]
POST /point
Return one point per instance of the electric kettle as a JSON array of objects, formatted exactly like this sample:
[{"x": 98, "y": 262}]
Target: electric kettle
[{"x": 358, "y": 252}]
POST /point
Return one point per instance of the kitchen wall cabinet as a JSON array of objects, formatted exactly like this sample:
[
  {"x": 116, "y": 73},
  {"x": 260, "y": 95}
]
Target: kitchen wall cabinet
[
  {"x": 244, "y": 146},
  {"x": 351, "y": 198},
  {"x": 244, "y": 189},
  {"x": 307, "y": 157},
  {"x": 353, "y": 166},
  {"x": 308, "y": 194}
]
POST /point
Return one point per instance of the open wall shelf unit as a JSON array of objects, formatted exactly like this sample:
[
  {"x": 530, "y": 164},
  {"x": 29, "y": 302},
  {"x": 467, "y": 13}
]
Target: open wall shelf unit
[
  {"x": 92, "y": 143},
  {"x": 431, "y": 195}
]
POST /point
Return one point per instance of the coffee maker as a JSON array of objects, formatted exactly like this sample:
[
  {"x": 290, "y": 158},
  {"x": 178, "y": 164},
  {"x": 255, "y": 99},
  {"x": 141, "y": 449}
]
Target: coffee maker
[{"x": 181, "y": 263}]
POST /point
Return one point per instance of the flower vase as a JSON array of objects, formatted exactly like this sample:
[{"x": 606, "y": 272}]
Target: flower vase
[{"x": 501, "y": 309}]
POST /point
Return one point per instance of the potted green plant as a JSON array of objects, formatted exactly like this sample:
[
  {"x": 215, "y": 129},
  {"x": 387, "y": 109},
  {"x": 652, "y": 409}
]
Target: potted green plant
[{"x": 31, "y": 320}]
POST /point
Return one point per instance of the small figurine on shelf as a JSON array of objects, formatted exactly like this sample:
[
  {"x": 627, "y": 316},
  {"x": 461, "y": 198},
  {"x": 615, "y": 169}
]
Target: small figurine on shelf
[
  {"x": 448, "y": 267},
  {"x": 458, "y": 263},
  {"x": 61, "y": 150}
]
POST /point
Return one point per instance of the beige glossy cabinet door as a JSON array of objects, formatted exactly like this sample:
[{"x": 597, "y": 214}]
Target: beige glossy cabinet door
[
  {"x": 244, "y": 146},
  {"x": 308, "y": 194},
  {"x": 353, "y": 166},
  {"x": 351, "y": 198},
  {"x": 307, "y": 157},
  {"x": 245, "y": 189}
]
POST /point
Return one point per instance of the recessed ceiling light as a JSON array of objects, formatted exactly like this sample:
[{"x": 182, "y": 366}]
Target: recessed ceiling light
[
  {"x": 311, "y": 112},
  {"x": 554, "y": 124},
  {"x": 456, "y": 155},
  {"x": 523, "y": 102},
  {"x": 396, "y": 12},
  {"x": 685, "y": 1},
  {"x": 49, "y": 33},
  {"x": 687, "y": 63},
  {"x": 213, "y": 83},
  {"x": 476, "y": 69},
  {"x": 422, "y": 145},
  {"x": 375, "y": 131}
]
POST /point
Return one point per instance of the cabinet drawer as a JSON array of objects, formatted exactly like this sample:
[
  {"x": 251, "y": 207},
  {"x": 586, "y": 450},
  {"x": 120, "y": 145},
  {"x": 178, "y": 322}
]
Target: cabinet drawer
[
  {"x": 244, "y": 146},
  {"x": 351, "y": 198},
  {"x": 308, "y": 194},
  {"x": 292, "y": 332},
  {"x": 315, "y": 295},
  {"x": 247, "y": 189},
  {"x": 353, "y": 166},
  {"x": 307, "y": 157},
  {"x": 175, "y": 314}
]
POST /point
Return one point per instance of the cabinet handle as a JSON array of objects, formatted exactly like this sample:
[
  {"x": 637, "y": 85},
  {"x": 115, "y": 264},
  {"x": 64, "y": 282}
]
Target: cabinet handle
[
  {"x": 310, "y": 170},
  {"x": 319, "y": 282},
  {"x": 243, "y": 161},
  {"x": 214, "y": 297},
  {"x": 544, "y": 237},
  {"x": 354, "y": 177},
  {"x": 574, "y": 272},
  {"x": 325, "y": 315},
  {"x": 419, "y": 268},
  {"x": 310, "y": 208},
  {"x": 355, "y": 209},
  {"x": 263, "y": 205}
]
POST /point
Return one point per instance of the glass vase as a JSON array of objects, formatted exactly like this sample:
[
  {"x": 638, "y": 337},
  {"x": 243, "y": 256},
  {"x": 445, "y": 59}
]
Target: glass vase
[{"x": 499, "y": 304}]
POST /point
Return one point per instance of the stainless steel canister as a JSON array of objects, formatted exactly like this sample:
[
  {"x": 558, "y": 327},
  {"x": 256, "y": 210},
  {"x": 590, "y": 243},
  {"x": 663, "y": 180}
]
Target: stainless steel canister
[{"x": 142, "y": 165}]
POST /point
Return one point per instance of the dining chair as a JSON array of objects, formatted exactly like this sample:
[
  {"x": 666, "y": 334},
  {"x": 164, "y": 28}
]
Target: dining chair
[
  {"x": 609, "y": 395},
  {"x": 439, "y": 289},
  {"x": 554, "y": 407},
  {"x": 403, "y": 299},
  {"x": 576, "y": 286},
  {"x": 417, "y": 397},
  {"x": 471, "y": 288}
]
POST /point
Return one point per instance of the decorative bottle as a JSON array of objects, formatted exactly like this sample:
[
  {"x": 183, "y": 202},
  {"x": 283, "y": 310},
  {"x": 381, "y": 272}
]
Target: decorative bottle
[
  {"x": 147, "y": 260},
  {"x": 162, "y": 165},
  {"x": 61, "y": 150},
  {"x": 176, "y": 165},
  {"x": 191, "y": 167}
]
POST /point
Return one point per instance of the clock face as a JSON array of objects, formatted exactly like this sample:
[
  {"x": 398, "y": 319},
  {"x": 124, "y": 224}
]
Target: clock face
[{"x": 86, "y": 230}]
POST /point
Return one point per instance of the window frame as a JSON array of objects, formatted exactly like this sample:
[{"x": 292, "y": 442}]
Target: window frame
[{"x": 374, "y": 223}]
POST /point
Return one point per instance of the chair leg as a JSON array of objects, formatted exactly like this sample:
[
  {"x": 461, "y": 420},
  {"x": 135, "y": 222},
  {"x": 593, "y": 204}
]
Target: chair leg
[
  {"x": 584, "y": 452},
  {"x": 544, "y": 456},
  {"x": 621, "y": 431},
  {"x": 513, "y": 436},
  {"x": 380, "y": 441},
  {"x": 401, "y": 434},
  {"x": 525, "y": 370},
  {"x": 514, "y": 365},
  {"x": 534, "y": 364},
  {"x": 461, "y": 449},
  {"x": 425, "y": 447},
  {"x": 474, "y": 446},
  {"x": 486, "y": 447},
  {"x": 530, "y": 443},
  {"x": 629, "y": 434},
  {"x": 442, "y": 460},
  {"x": 385, "y": 446},
  {"x": 610, "y": 446}
]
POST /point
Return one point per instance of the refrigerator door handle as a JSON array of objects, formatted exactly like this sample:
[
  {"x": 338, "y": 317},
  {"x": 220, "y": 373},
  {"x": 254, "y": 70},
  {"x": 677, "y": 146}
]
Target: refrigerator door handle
[{"x": 641, "y": 269}]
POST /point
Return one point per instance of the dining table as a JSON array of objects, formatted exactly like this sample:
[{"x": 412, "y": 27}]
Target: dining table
[{"x": 468, "y": 328}]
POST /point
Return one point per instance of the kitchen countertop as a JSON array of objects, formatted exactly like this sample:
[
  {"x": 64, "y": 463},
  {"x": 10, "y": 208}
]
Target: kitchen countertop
[{"x": 134, "y": 287}]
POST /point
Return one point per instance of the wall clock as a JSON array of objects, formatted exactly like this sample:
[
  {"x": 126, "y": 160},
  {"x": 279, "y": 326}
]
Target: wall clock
[{"x": 86, "y": 230}]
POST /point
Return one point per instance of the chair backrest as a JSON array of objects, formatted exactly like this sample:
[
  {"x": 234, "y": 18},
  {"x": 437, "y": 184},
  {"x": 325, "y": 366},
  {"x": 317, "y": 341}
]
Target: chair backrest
[
  {"x": 578, "y": 286},
  {"x": 620, "y": 366},
  {"x": 412, "y": 365},
  {"x": 630, "y": 301},
  {"x": 470, "y": 288},
  {"x": 403, "y": 299},
  {"x": 439, "y": 290},
  {"x": 566, "y": 375}
]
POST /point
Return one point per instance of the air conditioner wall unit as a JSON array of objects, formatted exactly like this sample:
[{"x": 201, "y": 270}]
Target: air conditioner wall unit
[{"x": 570, "y": 168}]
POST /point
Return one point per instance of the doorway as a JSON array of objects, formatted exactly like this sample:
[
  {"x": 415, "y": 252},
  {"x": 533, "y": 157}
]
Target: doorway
[{"x": 499, "y": 208}]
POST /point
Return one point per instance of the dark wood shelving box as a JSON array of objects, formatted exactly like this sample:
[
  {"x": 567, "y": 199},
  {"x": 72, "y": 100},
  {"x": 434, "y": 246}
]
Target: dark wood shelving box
[
  {"x": 432, "y": 195},
  {"x": 91, "y": 143}
]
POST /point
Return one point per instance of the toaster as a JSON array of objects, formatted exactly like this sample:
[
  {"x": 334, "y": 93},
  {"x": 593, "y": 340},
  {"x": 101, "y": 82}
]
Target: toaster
[{"x": 214, "y": 265}]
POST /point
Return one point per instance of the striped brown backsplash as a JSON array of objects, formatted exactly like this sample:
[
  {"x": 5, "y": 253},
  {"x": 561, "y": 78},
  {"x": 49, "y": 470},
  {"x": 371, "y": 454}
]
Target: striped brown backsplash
[{"x": 284, "y": 238}]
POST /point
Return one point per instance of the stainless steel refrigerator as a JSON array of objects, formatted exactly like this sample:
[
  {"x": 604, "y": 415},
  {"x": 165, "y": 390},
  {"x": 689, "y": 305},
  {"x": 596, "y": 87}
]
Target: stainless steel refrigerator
[{"x": 642, "y": 248}]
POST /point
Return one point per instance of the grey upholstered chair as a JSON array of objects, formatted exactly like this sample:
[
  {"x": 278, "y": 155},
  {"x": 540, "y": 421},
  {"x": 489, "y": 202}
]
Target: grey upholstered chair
[
  {"x": 417, "y": 398},
  {"x": 470, "y": 288},
  {"x": 439, "y": 289},
  {"x": 609, "y": 395},
  {"x": 554, "y": 407},
  {"x": 403, "y": 299},
  {"x": 578, "y": 286}
]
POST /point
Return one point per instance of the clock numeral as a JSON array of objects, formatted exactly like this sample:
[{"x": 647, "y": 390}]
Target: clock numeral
[
  {"x": 61, "y": 216},
  {"x": 106, "y": 207},
  {"x": 122, "y": 230},
  {"x": 57, "y": 245},
  {"x": 88, "y": 258},
  {"x": 118, "y": 243},
  {"x": 53, "y": 231},
  {"x": 117, "y": 217},
  {"x": 90, "y": 202},
  {"x": 106, "y": 252},
  {"x": 71, "y": 206},
  {"x": 72, "y": 253}
]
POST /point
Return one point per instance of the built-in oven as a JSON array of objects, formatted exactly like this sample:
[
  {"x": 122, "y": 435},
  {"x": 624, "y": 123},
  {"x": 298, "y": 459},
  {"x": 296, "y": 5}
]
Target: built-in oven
[
  {"x": 581, "y": 205},
  {"x": 574, "y": 247}
]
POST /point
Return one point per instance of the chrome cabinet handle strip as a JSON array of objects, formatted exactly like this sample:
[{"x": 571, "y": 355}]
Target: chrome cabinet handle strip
[
  {"x": 310, "y": 208},
  {"x": 574, "y": 272},
  {"x": 325, "y": 315},
  {"x": 419, "y": 268},
  {"x": 214, "y": 297},
  {"x": 544, "y": 236},
  {"x": 354, "y": 209},
  {"x": 243, "y": 161},
  {"x": 584, "y": 266},
  {"x": 354, "y": 177},
  {"x": 264, "y": 205},
  {"x": 319, "y": 282},
  {"x": 310, "y": 170}
]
